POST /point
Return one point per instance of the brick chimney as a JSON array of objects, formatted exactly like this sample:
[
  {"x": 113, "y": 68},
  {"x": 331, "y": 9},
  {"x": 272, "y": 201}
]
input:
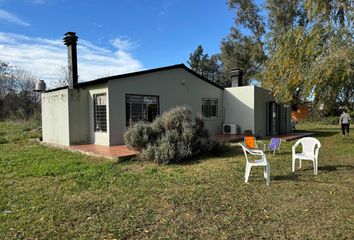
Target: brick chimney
[
  {"x": 70, "y": 40},
  {"x": 236, "y": 77}
]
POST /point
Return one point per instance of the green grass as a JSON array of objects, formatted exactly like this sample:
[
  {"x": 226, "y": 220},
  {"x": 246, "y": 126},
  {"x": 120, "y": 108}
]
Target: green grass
[{"x": 47, "y": 193}]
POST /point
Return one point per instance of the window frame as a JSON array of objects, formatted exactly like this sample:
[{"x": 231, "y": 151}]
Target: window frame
[
  {"x": 95, "y": 112},
  {"x": 217, "y": 108},
  {"x": 140, "y": 95}
]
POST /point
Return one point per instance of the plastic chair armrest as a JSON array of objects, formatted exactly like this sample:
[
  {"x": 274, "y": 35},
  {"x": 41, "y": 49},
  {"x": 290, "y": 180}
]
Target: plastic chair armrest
[{"x": 257, "y": 152}]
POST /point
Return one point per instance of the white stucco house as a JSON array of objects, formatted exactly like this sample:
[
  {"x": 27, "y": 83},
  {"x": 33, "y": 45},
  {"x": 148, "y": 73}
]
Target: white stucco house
[{"x": 100, "y": 111}]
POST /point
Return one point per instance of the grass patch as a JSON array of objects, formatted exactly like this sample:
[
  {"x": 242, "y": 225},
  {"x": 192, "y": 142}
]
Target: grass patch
[{"x": 48, "y": 193}]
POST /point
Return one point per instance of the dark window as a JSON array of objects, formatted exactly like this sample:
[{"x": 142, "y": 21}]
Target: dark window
[
  {"x": 141, "y": 108},
  {"x": 100, "y": 112},
  {"x": 210, "y": 107}
]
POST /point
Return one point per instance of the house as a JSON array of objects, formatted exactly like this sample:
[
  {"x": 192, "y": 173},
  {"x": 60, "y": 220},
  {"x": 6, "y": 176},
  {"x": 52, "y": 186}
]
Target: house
[{"x": 100, "y": 111}]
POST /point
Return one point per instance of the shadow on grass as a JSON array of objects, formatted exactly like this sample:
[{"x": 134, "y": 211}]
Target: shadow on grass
[
  {"x": 288, "y": 177},
  {"x": 334, "y": 168},
  {"x": 323, "y": 169},
  {"x": 320, "y": 132},
  {"x": 230, "y": 152}
]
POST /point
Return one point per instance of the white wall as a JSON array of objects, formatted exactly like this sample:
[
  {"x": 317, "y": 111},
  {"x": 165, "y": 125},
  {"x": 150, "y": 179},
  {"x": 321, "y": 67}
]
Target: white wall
[
  {"x": 239, "y": 107},
  {"x": 78, "y": 116},
  {"x": 65, "y": 117},
  {"x": 174, "y": 87},
  {"x": 55, "y": 117}
]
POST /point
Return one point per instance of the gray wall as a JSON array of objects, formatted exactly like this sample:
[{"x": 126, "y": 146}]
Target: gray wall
[
  {"x": 174, "y": 87},
  {"x": 78, "y": 116},
  {"x": 65, "y": 117},
  {"x": 55, "y": 117},
  {"x": 261, "y": 117},
  {"x": 239, "y": 107},
  {"x": 263, "y": 96}
]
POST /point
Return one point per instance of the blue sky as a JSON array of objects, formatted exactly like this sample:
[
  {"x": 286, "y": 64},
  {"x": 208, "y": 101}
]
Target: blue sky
[{"x": 114, "y": 36}]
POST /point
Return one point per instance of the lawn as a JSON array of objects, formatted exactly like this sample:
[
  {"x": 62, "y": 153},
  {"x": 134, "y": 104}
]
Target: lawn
[{"x": 47, "y": 193}]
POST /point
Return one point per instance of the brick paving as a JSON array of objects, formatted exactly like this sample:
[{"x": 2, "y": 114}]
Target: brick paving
[{"x": 112, "y": 152}]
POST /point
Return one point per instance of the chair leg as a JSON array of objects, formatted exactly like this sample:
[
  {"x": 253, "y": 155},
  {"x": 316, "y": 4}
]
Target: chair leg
[
  {"x": 300, "y": 163},
  {"x": 314, "y": 167},
  {"x": 293, "y": 165},
  {"x": 268, "y": 174},
  {"x": 247, "y": 173}
]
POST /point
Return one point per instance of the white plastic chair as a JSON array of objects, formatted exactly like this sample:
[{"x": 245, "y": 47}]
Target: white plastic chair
[
  {"x": 262, "y": 162},
  {"x": 310, "y": 149}
]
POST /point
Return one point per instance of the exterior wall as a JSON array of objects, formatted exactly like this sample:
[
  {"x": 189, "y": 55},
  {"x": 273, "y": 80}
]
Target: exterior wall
[
  {"x": 239, "y": 105},
  {"x": 174, "y": 87},
  {"x": 65, "y": 117},
  {"x": 55, "y": 117},
  {"x": 261, "y": 112},
  {"x": 99, "y": 138},
  {"x": 78, "y": 116},
  {"x": 288, "y": 120},
  {"x": 263, "y": 97}
]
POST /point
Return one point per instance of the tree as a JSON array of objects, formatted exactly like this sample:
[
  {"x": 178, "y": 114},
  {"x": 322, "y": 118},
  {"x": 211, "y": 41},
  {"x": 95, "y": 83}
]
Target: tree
[
  {"x": 17, "y": 99},
  {"x": 300, "y": 50},
  {"x": 312, "y": 59},
  {"x": 63, "y": 77},
  {"x": 240, "y": 50},
  {"x": 208, "y": 67}
]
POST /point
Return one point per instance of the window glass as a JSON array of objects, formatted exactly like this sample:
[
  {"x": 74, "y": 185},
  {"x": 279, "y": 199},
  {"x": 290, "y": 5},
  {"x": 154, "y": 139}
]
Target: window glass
[
  {"x": 210, "y": 107},
  {"x": 100, "y": 112},
  {"x": 141, "y": 108}
]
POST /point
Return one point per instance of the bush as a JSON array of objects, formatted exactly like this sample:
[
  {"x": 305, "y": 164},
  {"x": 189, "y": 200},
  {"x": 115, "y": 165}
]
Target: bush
[
  {"x": 173, "y": 137},
  {"x": 139, "y": 135}
]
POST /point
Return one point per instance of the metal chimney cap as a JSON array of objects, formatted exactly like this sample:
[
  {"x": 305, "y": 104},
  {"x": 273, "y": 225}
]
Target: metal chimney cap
[
  {"x": 236, "y": 72},
  {"x": 70, "y": 33},
  {"x": 70, "y": 38}
]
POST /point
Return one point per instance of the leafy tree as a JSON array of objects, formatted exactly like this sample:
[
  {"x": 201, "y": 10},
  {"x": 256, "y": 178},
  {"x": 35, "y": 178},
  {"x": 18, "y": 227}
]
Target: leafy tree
[
  {"x": 244, "y": 50},
  {"x": 309, "y": 52},
  {"x": 209, "y": 67}
]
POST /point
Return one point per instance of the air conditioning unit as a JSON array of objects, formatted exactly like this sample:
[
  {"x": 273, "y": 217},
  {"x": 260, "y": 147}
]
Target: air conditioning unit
[{"x": 229, "y": 128}]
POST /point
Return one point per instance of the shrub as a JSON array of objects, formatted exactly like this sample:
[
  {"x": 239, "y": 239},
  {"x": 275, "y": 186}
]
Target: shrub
[
  {"x": 173, "y": 137},
  {"x": 139, "y": 135}
]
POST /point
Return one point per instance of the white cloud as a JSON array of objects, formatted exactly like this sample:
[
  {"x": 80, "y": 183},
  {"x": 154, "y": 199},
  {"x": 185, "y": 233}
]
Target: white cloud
[
  {"x": 11, "y": 18},
  {"x": 124, "y": 44},
  {"x": 45, "y": 56}
]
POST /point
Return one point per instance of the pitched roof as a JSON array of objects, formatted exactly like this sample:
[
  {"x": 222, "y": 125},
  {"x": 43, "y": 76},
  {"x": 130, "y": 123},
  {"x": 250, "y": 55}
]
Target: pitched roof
[{"x": 106, "y": 79}]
